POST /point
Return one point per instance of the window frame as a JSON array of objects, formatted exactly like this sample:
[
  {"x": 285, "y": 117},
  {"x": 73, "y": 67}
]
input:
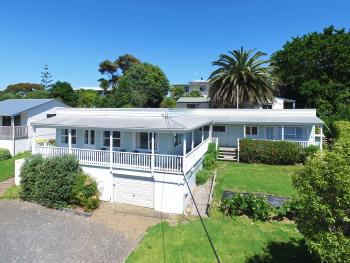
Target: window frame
[
  {"x": 73, "y": 136},
  {"x": 114, "y": 139},
  {"x": 250, "y": 134},
  {"x": 217, "y": 128},
  {"x": 149, "y": 143},
  {"x": 89, "y": 141}
]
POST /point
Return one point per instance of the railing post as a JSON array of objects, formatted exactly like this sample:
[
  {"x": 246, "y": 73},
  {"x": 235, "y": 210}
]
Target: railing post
[
  {"x": 211, "y": 130},
  {"x": 70, "y": 141},
  {"x": 34, "y": 141},
  {"x": 184, "y": 152},
  {"x": 282, "y": 133},
  {"x": 321, "y": 138},
  {"x": 202, "y": 133},
  {"x": 238, "y": 150},
  {"x": 152, "y": 156},
  {"x": 192, "y": 140},
  {"x": 13, "y": 135},
  {"x": 110, "y": 150},
  {"x": 244, "y": 131}
]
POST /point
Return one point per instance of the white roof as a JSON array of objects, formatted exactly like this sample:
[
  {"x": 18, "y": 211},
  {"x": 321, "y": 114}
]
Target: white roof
[{"x": 170, "y": 120}]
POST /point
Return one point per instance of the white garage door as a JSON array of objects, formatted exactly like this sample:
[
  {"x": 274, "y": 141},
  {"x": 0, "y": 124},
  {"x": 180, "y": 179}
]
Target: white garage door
[{"x": 133, "y": 190}]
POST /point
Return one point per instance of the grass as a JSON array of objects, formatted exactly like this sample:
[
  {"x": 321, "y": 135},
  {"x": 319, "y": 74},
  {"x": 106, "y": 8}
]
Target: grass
[
  {"x": 7, "y": 167},
  {"x": 11, "y": 193},
  {"x": 258, "y": 178},
  {"x": 237, "y": 239}
]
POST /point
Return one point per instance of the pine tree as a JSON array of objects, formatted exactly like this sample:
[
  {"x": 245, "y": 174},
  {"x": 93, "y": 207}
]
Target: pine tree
[{"x": 46, "y": 77}]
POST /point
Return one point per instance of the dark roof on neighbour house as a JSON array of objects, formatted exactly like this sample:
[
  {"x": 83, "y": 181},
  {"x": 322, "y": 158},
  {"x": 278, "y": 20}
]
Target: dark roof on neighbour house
[{"x": 11, "y": 107}]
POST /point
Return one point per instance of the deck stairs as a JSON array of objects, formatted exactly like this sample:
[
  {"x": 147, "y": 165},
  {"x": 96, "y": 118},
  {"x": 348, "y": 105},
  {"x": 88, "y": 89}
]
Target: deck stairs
[{"x": 228, "y": 154}]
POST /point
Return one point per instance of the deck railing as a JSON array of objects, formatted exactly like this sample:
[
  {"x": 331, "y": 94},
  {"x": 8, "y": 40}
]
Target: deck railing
[
  {"x": 123, "y": 160},
  {"x": 196, "y": 154},
  {"x": 18, "y": 132}
]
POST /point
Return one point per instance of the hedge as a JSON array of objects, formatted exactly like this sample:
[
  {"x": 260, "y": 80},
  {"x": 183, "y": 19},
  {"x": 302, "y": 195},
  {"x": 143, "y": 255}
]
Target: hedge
[
  {"x": 57, "y": 182},
  {"x": 4, "y": 154},
  {"x": 271, "y": 152}
]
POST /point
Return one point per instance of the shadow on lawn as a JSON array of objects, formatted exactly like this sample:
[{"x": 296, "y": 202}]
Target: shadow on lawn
[{"x": 291, "y": 252}]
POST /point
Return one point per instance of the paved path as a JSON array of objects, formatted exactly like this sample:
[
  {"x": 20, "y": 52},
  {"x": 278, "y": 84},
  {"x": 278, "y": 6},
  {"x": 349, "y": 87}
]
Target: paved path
[
  {"x": 6, "y": 184},
  {"x": 31, "y": 233}
]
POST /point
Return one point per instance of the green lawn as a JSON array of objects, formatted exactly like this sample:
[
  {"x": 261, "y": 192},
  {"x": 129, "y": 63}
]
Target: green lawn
[
  {"x": 258, "y": 178},
  {"x": 236, "y": 240},
  {"x": 7, "y": 167},
  {"x": 11, "y": 193}
]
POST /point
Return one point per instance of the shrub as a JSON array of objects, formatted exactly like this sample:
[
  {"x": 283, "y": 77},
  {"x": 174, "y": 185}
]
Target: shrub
[
  {"x": 212, "y": 149},
  {"x": 311, "y": 150},
  {"x": 4, "y": 154},
  {"x": 210, "y": 157},
  {"x": 290, "y": 209},
  {"x": 271, "y": 152},
  {"x": 49, "y": 182},
  {"x": 342, "y": 130},
  {"x": 256, "y": 207},
  {"x": 85, "y": 192},
  {"x": 323, "y": 186},
  {"x": 202, "y": 177}
]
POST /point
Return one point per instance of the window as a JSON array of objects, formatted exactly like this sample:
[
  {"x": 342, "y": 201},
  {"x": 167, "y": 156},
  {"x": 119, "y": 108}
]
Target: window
[
  {"x": 267, "y": 106},
  {"x": 269, "y": 133},
  {"x": 89, "y": 137},
  {"x": 219, "y": 128},
  {"x": 64, "y": 136},
  {"x": 177, "y": 139},
  {"x": 115, "y": 138},
  {"x": 187, "y": 89},
  {"x": 202, "y": 88},
  {"x": 6, "y": 121},
  {"x": 50, "y": 115},
  {"x": 74, "y": 136},
  {"x": 144, "y": 141},
  {"x": 192, "y": 106},
  {"x": 206, "y": 128},
  {"x": 251, "y": 130},
  {"x": 291, "y": 133}
]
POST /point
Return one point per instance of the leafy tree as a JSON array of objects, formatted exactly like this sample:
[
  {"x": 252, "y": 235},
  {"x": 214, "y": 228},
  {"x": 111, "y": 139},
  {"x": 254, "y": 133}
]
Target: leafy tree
[
  {"x": 23, "y": 88},
  {"x": 126, "y": 61},
  {"x": 314, "y": 70},
  {"x": 63, "y": 91},
  {"x": 194, "y": 93},
  {"x": 143, "y": 85},
  {"x": 9, "y": 95},
  {"x": 241, "y": 77},
  {"x": 168, "y": 102},
  {"x": 104, "y": 84},
  {"x": 324, "y": 193},
  {"x": 87, "y": 98},
  {"x": 110, "y": 69},
  {"x": 177, "y": 92},
  {"x": 46, "y": 77},
  {"x": 38, "y": 94}
]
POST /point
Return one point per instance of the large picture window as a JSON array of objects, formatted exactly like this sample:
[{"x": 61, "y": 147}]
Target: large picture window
[
  {"x": 115, "y": 137},
  {"x": 292, "y": 133},
  {"x": 144, "y": 141}
]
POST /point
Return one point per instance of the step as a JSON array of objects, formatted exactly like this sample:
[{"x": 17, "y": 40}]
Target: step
[
  {"x": 227, "y": 149},
  {"x": 227, "y": 158},
  {"x": 228, "y": 154}
]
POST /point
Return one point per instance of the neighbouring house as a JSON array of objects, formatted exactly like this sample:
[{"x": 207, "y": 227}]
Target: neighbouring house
[
  {"x": 144, "y": 156},
  {"x": 16, "y": 116},
  {"x": 204, "y": 103},
  {"x": 193, "y": 103},
  {"x": 201, "y": 85}
]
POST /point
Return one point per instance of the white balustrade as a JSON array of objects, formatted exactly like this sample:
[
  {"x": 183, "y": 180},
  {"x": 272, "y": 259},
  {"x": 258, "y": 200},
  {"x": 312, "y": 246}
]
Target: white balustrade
[
  {"x": 139, "y": 161},
  {"x": 6, "y": 132},
  {"x": 196, "y": 154},
  {"x": 168, "y": 163}
]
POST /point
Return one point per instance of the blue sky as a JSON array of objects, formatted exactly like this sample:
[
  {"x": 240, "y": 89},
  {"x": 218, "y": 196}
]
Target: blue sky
[{"x": 182, "y": 37}]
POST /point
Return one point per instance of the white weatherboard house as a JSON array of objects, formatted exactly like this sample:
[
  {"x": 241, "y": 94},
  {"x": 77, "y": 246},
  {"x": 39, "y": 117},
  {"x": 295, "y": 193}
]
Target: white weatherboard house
[
  {"x": 143, "y": 156},
  {"x": 16, "y": 115}
]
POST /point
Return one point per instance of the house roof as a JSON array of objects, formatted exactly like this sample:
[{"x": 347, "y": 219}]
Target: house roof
[
  {"x": 146, "y": 123},
  {"x": 11, "y": 107},
  {"x": 193, "y": 100}
]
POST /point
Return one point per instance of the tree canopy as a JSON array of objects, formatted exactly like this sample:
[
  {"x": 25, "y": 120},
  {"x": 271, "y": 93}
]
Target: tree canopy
[
  {"x": 126, "y": 61},
  {"x": 241, "y": 76},
  {"x": 63, "y": 91},
  {"x": 143, "y": 85},
  {"x": 314, "y": 70},
  {"x": 23, "y": 88}
]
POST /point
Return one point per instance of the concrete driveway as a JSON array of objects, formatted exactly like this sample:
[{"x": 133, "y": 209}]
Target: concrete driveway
[{"x": 31, "y": 233}]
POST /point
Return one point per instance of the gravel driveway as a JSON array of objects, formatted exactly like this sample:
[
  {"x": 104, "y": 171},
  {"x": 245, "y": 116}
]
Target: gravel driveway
[{"x": 31, "y": 233}]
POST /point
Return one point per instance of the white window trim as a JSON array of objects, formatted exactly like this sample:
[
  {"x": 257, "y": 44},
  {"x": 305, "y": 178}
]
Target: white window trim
[
  {"x": 76, "y": 136},
  {"x": 252, "y": 135},
  {"x": 89, "y": 138},
  {"x": 156, "y": 142},
  {"x": 107, "y": 147}
]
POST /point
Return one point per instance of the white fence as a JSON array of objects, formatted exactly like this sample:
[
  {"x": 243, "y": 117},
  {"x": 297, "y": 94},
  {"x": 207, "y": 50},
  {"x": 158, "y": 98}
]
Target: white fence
[{"x": 125, "y": 160}]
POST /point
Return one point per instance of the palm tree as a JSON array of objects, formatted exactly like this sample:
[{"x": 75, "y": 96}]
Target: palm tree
[{"x": 242, "y": 77}]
